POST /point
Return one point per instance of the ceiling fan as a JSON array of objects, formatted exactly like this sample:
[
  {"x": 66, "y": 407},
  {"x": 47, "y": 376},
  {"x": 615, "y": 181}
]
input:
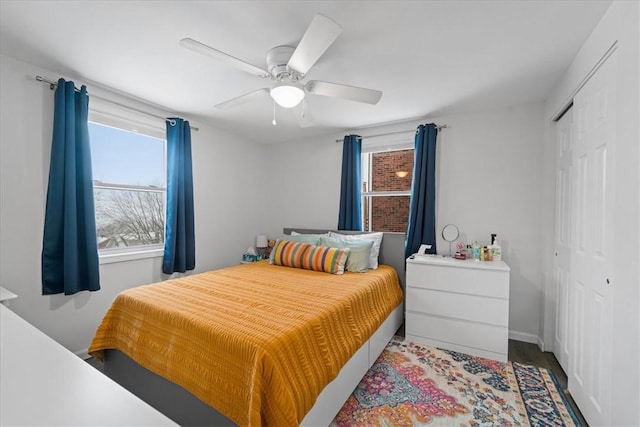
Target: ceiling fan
[{"x": 288, "y": 66}]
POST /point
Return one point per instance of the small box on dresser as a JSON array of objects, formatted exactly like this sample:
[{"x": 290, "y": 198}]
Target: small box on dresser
[{"x": 459, "y": 305}]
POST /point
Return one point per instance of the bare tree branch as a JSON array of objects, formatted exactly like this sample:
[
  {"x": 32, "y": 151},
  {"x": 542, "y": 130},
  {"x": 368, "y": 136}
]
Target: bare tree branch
[{"x": 129, "y": 217}]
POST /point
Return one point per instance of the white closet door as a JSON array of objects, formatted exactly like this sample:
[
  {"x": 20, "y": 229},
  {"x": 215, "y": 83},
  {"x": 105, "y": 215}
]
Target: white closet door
[
  {"x": 564, "y": 153},
  {"x": 592, "y": 248}
]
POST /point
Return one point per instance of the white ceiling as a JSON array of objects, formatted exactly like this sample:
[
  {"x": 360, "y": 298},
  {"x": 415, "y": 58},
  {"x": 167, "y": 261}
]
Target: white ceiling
[{"x": 428, "y": 57}]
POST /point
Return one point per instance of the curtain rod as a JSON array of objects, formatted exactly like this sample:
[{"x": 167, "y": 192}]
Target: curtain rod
[
  {"x": 439, "y": 127},
  {"x": 52, "y": 86}
]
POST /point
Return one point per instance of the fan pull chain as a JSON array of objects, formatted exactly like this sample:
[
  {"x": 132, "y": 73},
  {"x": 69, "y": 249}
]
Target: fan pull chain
[{"x": 274, "y": 114}]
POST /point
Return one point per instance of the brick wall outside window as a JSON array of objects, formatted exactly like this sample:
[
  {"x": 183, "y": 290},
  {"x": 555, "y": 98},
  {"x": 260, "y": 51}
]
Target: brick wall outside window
[
  {"x": 390, "y": 213},
  {"x": 384, "y": 167}
]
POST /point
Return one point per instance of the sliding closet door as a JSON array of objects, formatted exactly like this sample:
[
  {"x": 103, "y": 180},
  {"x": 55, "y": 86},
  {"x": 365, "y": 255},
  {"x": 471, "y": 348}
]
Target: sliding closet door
[
  {"x": 564, "y": 153},
  {"x": 592, "y": 248}
]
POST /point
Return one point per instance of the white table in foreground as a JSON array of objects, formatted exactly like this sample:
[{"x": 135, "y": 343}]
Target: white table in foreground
[
  {"x": 43, "y": 383},
  {"x": 6, "y": 295}
]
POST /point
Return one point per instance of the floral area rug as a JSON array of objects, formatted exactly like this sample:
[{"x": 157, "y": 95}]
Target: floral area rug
[{"x": 415, "y": 385}]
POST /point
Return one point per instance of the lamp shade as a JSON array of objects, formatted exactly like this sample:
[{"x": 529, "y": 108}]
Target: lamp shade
[
  {"x": 261, "y": 241},
  {"x": 286, "y": 94}
]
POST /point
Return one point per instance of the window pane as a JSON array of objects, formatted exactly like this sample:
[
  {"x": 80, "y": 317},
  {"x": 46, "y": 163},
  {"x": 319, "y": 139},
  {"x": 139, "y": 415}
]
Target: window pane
[
  {"x": 126, "y": 158},
  {"x": 392, "y": 170},
  {"x": 389, "y": 213},
  {"x": 127, "y": 218}
]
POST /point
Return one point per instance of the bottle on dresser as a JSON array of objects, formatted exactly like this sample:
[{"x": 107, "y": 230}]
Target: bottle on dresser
[
  {"x": 494, "y": 249},
  {"x": 476, "y": 251},
  {"x": 486, "y": 253}
]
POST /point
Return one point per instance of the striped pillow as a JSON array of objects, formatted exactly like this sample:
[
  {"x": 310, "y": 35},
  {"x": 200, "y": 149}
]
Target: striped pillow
[{"x": 309, "y": 257}]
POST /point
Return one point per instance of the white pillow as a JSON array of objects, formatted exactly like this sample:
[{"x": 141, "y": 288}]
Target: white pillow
[{"x": 375, "y": 249}]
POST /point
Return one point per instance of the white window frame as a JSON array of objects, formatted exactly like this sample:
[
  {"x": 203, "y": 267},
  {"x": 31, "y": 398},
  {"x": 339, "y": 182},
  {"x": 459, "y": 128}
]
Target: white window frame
[
  {"x": 374, "y": 145},
  {"x": 129, "y": 120}
]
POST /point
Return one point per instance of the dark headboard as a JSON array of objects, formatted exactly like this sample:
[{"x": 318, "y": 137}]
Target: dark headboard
[{"x": 391, "y": 249}]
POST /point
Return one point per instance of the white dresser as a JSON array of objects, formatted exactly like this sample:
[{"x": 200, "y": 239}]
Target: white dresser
[{"x": 458, "y": 305}]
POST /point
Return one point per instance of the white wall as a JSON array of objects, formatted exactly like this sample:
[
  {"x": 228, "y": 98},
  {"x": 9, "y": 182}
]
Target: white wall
[
  {"x": 488, "y": 181},
  {"x": 227, "y": 173},
  {"x": 304, "y": 185},
  {"x": 620, "y": 24}
]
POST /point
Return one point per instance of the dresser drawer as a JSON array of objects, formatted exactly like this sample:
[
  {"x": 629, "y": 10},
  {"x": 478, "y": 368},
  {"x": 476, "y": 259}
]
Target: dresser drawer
[
  {"x": 492, "y": 283},
  {"x": 474, "y": 335},
  {"x": 501, "y": 357},
  {"x": 461, "y": 306}
]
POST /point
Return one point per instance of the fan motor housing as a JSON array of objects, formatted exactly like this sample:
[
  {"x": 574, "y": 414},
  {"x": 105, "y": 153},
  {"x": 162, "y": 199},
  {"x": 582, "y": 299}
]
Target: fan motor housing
[{"x": 277, "y": 59}]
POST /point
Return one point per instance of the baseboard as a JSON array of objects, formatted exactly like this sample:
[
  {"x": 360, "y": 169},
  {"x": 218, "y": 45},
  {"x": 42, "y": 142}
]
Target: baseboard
[
  {"x": 83, "y": 354},
  {"x": 525, "y": 337},
  {"x": 541, "y": 344}
]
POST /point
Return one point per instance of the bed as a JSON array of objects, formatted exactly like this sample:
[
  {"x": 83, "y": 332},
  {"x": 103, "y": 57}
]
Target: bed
[{"x": 178, "y": 363}]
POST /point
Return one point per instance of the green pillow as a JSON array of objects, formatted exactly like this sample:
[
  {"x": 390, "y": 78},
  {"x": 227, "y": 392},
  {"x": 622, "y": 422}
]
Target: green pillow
[
  {"x": 358, "y": 260},
  {"x": 375, "y": 249}
]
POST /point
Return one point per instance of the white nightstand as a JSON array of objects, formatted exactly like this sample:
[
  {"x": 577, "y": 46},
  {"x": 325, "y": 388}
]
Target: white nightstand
[
  {"x": 6, "y": 295},
  {"x": 459, "y": 305}
]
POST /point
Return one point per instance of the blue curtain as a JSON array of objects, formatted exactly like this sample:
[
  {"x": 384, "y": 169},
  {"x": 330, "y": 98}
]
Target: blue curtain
[
  {"x": 350, "y": 215},
  {"x": 180, "y": 244},
  {"x": 69, "y": 248},
  {"x": 422, "y": 216}
]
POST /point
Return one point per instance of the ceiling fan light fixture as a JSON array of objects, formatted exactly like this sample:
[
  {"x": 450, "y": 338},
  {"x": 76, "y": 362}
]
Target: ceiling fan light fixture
[{"x": 287, "y": 94}]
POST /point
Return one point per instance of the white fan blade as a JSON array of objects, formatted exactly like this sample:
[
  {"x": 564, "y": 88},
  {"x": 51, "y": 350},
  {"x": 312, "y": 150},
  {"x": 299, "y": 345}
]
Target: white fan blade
[
  {"x": 316, "y": 40},
  {"x": 301, "y": 112},
  {"x": 242, "y": 99},
  {"x": 336, "y": 90},
  {"x": 203, "y": 49}
]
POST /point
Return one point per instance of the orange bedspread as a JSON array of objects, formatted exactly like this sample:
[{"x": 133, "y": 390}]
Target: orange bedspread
[{"x": 257, "y": 342}]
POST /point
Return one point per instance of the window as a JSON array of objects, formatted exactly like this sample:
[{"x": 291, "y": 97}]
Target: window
[
  {"x": 386, "y": 189},
  {"x": 129, "y": 171}
]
